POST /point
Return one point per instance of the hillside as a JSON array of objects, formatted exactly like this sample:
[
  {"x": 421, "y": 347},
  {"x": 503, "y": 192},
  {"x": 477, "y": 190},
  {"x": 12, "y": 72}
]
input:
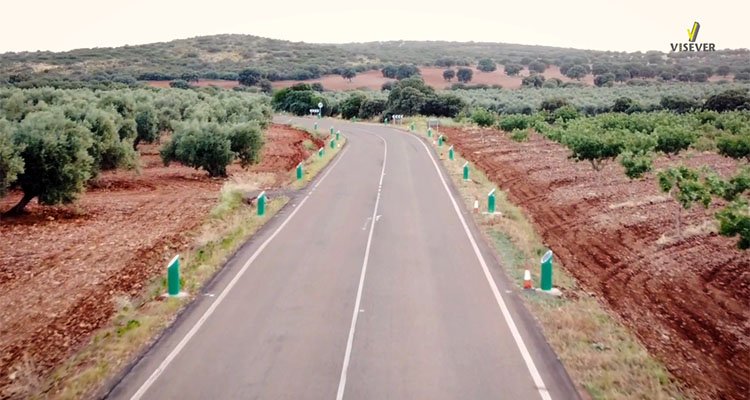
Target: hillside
[{"x": 223, "y": 56}]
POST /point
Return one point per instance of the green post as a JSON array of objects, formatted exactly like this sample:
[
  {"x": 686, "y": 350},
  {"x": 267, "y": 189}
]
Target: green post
[
  {"x": 299, "y": 172},
  {"x": 547, "y": 271},
  {"x": 385, "y": 120},
  {"x": 491, "y": 202},
  {"x": 338, "y": 134},
  {"x": 466, "y": 171},
  {"x": 173, "y": 277},
  {"x": 315, "y": 127},
  {"x": 412, "y": 127},
  {"x": 321, "y": 151},
  {"x": 333, "y": 143},
  {"x": 450, "y": 153},
  {"x": 440, "y": 141},
  {"x": 331, "y": 130},
  {"x": 262, "y": 203},
  {"x": 429, "y": 132}
]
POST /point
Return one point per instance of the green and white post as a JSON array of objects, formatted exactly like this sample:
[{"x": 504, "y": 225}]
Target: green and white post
[
  {"x": 440, "y": 141},
  {"x": 546, "y": 281},
  {"x": 315, "y": 127},
  {"x": 451, "y": 154},
  {"x": 331, "y": 130},
  {"x": 429, "y": 132},
  {"x": 321, "y": 151},
  {"x": 300, "y": 172},
  {"x": 466, "y": 171},
  {"x": 173, "y": 278},
  {"x": 262, "y": 203},
  {"x": 333, "y": 143},
  {"x": 338, "y": 134},
  {"x": 491, "y": 202}
]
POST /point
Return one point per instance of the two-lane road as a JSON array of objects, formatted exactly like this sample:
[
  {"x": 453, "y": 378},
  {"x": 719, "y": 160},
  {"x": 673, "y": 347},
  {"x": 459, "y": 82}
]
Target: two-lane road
[{"x": 371, "y": 285}]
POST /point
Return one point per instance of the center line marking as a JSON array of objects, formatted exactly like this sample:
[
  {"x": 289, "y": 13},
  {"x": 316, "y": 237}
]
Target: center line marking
[{"x": 350, "y": 340}]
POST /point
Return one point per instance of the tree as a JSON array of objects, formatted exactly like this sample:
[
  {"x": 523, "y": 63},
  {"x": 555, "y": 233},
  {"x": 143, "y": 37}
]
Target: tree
[
  {"x": 535, "y": 80},
  {"x": 11, "y": 163},
  {"x": 348, "y": 74},
  {"x": 372, "y": 108},
  {"x": 147, "y": 126},
  {"x": 678, "y": 104},
  {"x": 607, "y": 79},
  {"x": 595, "y": 148},
  {"x": 728, "y": 100},
  {"x": 390, "y": 71},
  {"x": 442, "y": 105},
  {"x": 625, "y": 105},
  {"x": 351, "y": 105},
  {"x": 512, "y": 69},
  {"x": 179, "y": 84},
  {"x": 486, "y": 65},
  {"x": 249, "y": 77},
  {"x": 622, "y": 75},
  {"x": 190, "y": 76},
  {"x": 686, "y": 187},
  {"x": 735, "y": 146},
  {"x": 449, "y": 74},
  {"x": 407, "y": 101},
  {"x": 406, "y": 71},
  {"x": 200, "y": 145},
  {"x": 537, "y": 67},
  {"x": 55, "y": 153},
  {"x": 723, "y": 70},
  {"x": 246, "y": 142},
  {"x": 576, "y": 72},
  {"x": 671, "y": 139},
  {"x": 734, "y": 220},
  {"x": 553, "y": 104},
  {"x": 109, "y": 150},
  {"x": 464, "y": 75}
]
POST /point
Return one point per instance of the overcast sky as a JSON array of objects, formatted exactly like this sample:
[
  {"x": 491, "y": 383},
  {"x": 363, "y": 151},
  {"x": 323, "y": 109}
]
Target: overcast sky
[{"x": 589, "y": 24}]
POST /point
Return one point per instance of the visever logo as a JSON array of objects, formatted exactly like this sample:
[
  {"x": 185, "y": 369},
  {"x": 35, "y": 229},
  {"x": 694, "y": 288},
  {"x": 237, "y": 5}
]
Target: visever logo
[{"x": 691, "y": 45}]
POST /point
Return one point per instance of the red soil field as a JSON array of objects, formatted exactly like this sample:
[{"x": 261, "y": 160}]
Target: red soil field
[
  {"x": 62, "y": 269},
  {"x": 373, "y": 80},
  {"x": 686, "y": 299}
]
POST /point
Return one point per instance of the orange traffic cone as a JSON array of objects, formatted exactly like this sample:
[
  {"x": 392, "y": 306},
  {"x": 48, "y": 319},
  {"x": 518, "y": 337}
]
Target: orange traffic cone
[{"x": 527, "y": 279}]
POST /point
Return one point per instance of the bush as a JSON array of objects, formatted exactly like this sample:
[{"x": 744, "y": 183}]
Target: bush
[
  {"x": 734, "y": 146},
  {"x": 537, "y": 66},
  {"x": 566, "y": 113},
  {"x": 443, "y": 105},
  {"x": 180, "y": 84},
  {"x": 534, "y": 80},
  {"x": 519, "y": 135},
  {"x": 553, "y": 104},
  {"x": 483, "y": 117},
  {"x": 246, "y": 142},
  {"x": 679, "y": 104},
  {"x": 625, "y": 105},
  {"x": 513, "y": 69},
  {"x": 449, "y": 74},
  {"x": 595, "y": 148},
  {"x": 671, "y": 139},
  {"x": 636, "y": 164},
  {"x": 515, "y": 122}
]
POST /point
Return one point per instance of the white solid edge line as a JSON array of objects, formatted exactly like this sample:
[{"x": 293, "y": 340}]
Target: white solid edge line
[
  {"x": 159, "y": 370},
  {"x": 355, "y": 313},
  {"x": 500, "y": 302}
]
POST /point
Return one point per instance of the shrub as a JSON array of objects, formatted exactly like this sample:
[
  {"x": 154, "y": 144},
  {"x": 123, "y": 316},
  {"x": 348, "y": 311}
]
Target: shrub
[
  {"x": 514, "y": 122},
  {"x": 483, "y": 117},
  {"x": 553, "y": 104},
  {"x": 519, "y": 135},
  {"x": 179, "y": 84},
  {"x": 464, "y": 75},
  {"x": 729, "y": 100},
  {"x": 734, "y": 146},
  {"x": 534, "y": 80},
  {"x": 671, "y": 139},
  {"x": 636, "y": 164},
  {"x": 566, "y": 113},
  {"x": 486, "y": 65},
  {"x": 449, "y": 74},
  {"x": 246, "y": 142},
  {"x": 513, "y": 69}
]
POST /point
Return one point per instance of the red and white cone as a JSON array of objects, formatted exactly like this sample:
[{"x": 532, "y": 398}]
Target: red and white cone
[{"x": 527, "y": 279}]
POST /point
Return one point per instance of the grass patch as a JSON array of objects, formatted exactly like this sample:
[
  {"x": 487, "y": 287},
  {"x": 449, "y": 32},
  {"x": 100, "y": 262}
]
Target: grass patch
[{"x": 600, "y": 354}]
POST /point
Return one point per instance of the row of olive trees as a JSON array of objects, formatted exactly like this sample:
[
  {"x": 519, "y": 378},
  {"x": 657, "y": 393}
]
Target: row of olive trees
[{"x": 52, "y": 142}]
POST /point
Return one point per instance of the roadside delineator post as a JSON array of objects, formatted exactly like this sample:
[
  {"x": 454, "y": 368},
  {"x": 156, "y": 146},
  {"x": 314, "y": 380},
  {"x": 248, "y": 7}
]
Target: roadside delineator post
[
  {"x": 546, "y": 281},
  {"x": 491, "y": 202},
  {"x": 173, "y": 278},
  {"x": 466, "y": 171},
  {"x": 315, "y": 127},
  {"x": 299, "y": 172},
  {"x": 338, "y": 134},
  {"x": 333, "y": 143},
  {"x": 527, "y": 279},
  {"x": 321, "y": 151},
  {"x": 385, "y": 120},
  {"x": 429, "y": 132},
  {"x": 412, "y": 127},
  {"x": 331, "y": 130},
  {"x": 450, "y": 153},
  {"x": 440, "y": 141},
  {"x": 262, "y": 203},
  {"x": 476, "y": 206}
]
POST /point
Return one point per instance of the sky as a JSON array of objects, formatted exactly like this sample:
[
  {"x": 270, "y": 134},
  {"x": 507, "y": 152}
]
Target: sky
[{"x": 586, "y": 24}]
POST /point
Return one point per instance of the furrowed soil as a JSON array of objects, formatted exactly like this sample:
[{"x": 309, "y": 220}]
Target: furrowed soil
[
  {"x": 687, "y": 298},
  {"x": 64, "y": 269}
]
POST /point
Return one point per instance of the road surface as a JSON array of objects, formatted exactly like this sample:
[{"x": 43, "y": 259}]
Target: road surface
[{"x": 372, "y": 284}]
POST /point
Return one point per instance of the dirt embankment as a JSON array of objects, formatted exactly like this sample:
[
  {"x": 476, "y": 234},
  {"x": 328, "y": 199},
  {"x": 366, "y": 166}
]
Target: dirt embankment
[
  {"x": 687, "y": 298},
  {"x": 64, "y": 269}
]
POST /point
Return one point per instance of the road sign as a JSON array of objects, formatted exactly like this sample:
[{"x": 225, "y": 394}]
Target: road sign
[{"x": 320, "y": 105}]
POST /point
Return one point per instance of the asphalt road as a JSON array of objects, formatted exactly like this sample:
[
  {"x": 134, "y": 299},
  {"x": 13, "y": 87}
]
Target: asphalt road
[{"x": 372, "y": 284}]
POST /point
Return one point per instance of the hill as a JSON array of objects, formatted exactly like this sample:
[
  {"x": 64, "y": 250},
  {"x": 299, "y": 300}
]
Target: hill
[{"x": 224, "y": 56}]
